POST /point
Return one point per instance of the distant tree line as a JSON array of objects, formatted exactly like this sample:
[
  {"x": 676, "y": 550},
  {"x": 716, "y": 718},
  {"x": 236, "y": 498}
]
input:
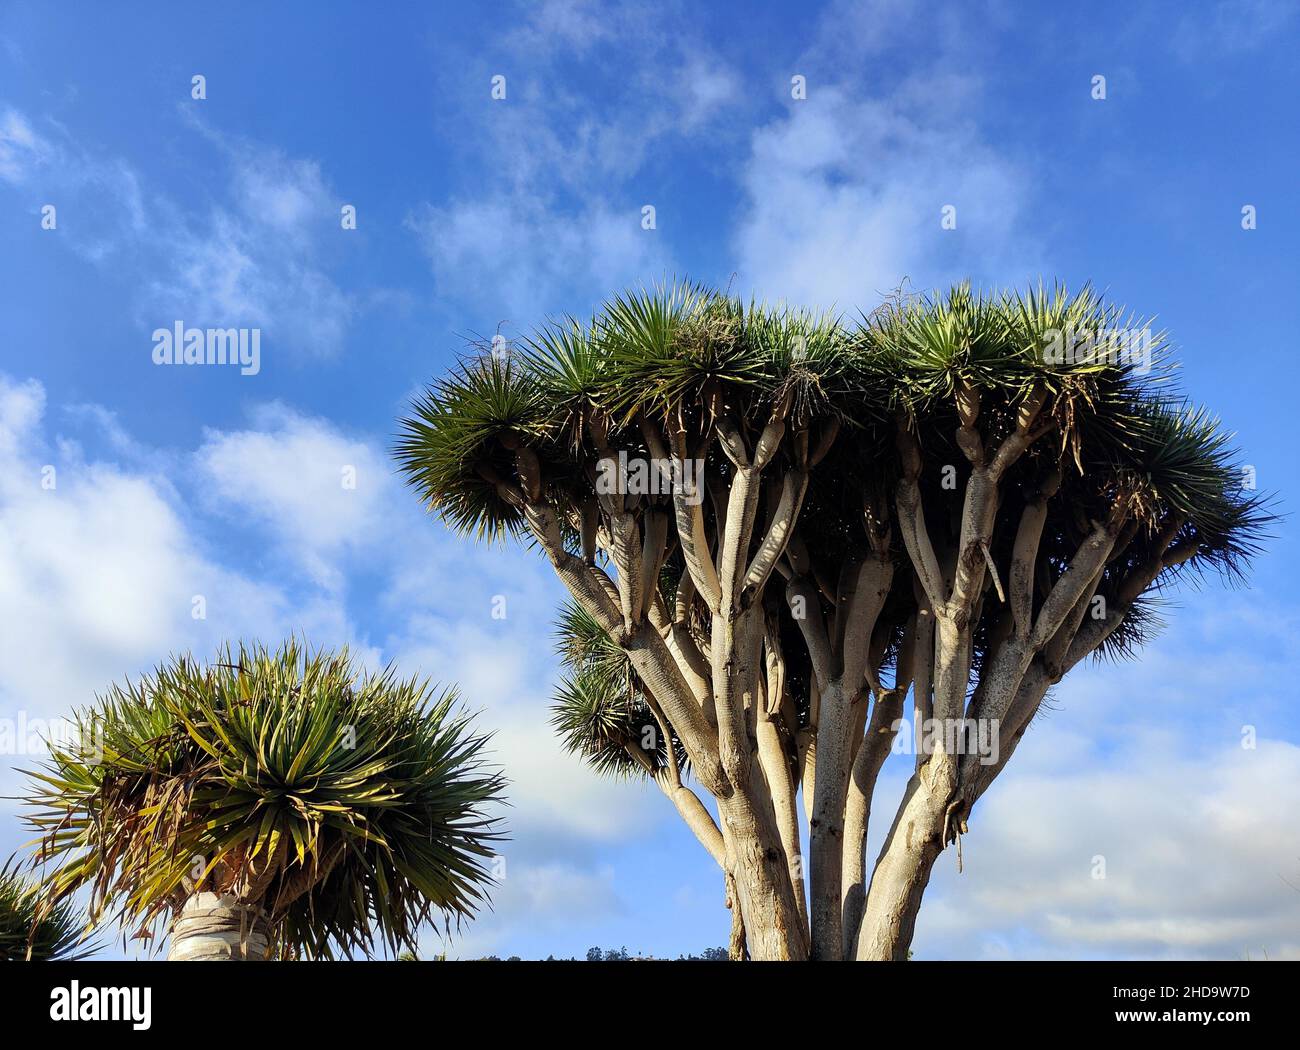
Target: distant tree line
[{"x": 594, "y": 955}]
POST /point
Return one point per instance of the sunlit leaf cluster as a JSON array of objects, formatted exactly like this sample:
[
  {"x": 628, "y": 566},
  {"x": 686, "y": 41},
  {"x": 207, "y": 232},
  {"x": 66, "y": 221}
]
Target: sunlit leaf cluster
[
  {"x": 31, "y": 930},
  {"x": 349, "y": 806},
  {"x": 675, "y": 360}
]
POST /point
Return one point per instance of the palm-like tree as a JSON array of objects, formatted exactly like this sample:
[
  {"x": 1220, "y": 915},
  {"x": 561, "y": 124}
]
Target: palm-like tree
[
  {"x": 954, "y": 500},
  {"x": 29, "y": 929},
  {"x": 272, "y": 804}
]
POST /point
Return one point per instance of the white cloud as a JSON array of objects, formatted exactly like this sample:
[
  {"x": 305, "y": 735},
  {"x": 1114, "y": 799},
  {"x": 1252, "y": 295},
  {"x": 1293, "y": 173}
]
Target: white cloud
[
  {"x": 320, "y": 492},
  {"x": 542, "y": 898},
  {"x": 706, "y": 90},
  {"x": 526, "y": 258},
  {"x": 98, "y": 573},
  {"x": 507, "y": 673},
  {"x": 99, "y": 205},
  {"x": 555, "y": 222},
  {"x": 843, "y": 193},
  {"x": 1143, "y": 764},
  {"x": 257, "y": 258},
  {"x": 844, "y": 199},
  {"x": 20, "y": 148},
  {"x": 567, "y": 26},
  {"x": 290, "y": 194}
]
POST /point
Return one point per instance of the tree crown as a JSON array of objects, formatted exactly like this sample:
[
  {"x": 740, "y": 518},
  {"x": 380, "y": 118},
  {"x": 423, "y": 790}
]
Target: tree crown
[
  {"x": 682, "y": 372},
  {"x": 349, "y": 806},
  {"x": 30, "y": 930}
]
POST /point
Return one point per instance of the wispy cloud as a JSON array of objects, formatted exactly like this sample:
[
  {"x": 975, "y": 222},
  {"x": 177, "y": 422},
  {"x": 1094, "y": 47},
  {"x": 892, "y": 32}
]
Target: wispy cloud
[
  {"x": 260, "y": 257},
  {"x": 98, "y": 200},
  {"x": 521, "y": 260},
  {"x": 1230, "y": 28},
  {"x": 21, "y": 149},
  {"x": 845, "y": 192},
  {"x": 1146, "y": 815},
  {"x": 257, "y": 257},
  {"x": 553, "y": 218},
  {"x": 321, "y": 493},
  {"x": 99, "y": 571}
]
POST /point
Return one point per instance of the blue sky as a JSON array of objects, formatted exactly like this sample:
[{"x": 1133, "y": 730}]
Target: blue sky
[{"x": 477, "y": 215}]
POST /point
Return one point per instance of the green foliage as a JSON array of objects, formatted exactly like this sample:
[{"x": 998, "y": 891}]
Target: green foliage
[
  {"x": 718, "y": 954},
  {"x": 599, "y": 710},
  {"x": 1097, "y": 382},
  {"x": 623, "y": 955},
  {"x": 685, "y": 352},
  {"x": 350, "y": 806},
  {"x": 29, "y": 930}
]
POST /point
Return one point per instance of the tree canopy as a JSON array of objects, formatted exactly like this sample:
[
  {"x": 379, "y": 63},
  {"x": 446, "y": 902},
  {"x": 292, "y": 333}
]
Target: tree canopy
[
  {"x": 30, "y": 929},
  {"x": 960, "y": 497},
  {"x": 343, "y": 807}
]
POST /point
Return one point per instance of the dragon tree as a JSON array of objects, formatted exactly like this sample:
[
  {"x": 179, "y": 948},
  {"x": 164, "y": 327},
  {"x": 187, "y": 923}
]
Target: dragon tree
[
  {"x": 794, "y": 543},
  {"x": 277, "y": 803}
]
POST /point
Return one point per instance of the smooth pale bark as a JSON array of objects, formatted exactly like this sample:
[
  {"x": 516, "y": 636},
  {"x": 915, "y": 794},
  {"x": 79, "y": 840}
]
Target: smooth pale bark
[
  {"x": 863, "y": 598},
  {"x": 698, "y": 819},
  {"x": 215, "y": 927},
  {"x": 903, "y": 869},
  {"x": 774, "y": 929},
  {"x": 744, "y": 740},
  {"x": 872, "y": 752},
  {"x": 780, "y": 781},
  {"x": 826, "y": 828},
  {"x": 777, "y": 755}
]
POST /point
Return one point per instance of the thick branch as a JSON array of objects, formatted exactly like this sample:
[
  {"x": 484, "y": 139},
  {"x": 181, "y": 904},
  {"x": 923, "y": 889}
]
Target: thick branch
[
  {"x": 654, "y": 548},
  {"x": 1024, "y": 557},
  {"x": 805, "y": 607},
  {"x": 1087, "y": 561},
  {"x": 688, "y": 505},
  {"x": 875, "y": 748},
  {"x": 793, "y": 487},
  {"x": 911, "y": 521},
  {"x": 742, "y": 505},
  {"x": 650, "y": 656}
]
